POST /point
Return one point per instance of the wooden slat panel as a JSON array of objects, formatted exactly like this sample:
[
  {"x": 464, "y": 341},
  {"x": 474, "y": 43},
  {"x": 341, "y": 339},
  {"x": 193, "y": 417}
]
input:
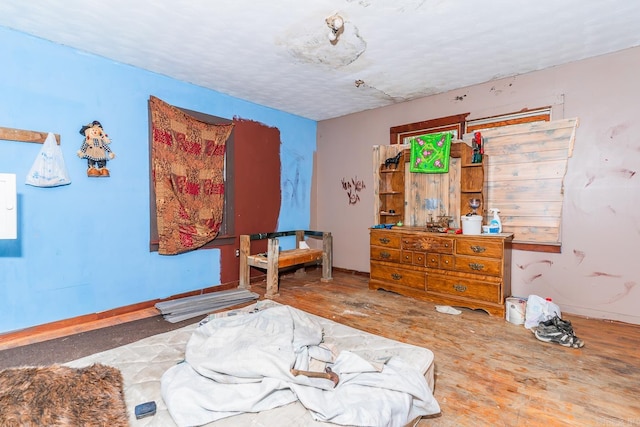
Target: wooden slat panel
[
  {"x": 549, "y": 191},
  {"x": 540, "y": 234},
  {"x": 414, "y": 197},
  {"x": 525, "y": 176},
  {"x": 528, "y": 128},
  {"x": 517, "y": 156},
  {"x": 421, "y": 186},
  {"x": 444, "y": 187},
  {"x": 535, "y": 142},
  {"x": 530, "y": 221},
  {"x": 529, "y": 170},
  {"x": 526, "y": 209},
  {"x": 546, "y": 235},
  {"x": 541, "y": 117}
]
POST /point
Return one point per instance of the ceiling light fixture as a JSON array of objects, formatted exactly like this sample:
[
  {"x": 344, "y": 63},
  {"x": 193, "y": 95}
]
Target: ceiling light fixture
[{"x": 336, "y": 26}]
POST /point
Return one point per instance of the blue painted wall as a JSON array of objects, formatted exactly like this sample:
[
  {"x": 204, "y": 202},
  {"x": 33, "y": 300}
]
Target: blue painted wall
[{"x": 83, "y": 248}]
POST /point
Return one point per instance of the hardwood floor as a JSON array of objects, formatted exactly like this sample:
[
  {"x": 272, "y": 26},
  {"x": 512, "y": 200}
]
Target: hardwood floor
[{"x": 490, "y": 372}]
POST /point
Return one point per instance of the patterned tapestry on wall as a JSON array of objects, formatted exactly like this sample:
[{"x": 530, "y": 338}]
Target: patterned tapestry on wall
[{"x": 187, "y": 158}]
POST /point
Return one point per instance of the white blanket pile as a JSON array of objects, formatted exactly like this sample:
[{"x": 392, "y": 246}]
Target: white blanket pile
[{"x": 242, "y": 364}]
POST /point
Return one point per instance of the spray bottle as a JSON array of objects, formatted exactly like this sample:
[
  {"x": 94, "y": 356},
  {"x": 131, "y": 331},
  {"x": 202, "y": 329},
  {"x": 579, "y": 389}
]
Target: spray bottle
[{"x": 495, "y": 225}]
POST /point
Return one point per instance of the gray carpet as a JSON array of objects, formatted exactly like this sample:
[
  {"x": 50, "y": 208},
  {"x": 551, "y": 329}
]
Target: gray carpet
[{"x": 65, "y": 349}]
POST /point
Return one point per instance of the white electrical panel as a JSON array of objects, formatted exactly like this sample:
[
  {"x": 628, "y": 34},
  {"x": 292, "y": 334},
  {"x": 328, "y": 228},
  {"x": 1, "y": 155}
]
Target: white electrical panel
[{"x": 8, "y": 206}]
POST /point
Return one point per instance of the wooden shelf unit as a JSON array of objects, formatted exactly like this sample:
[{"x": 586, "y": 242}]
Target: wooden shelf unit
[
  {"x": 405, "y": 193},
  {"x": 391, "y": 192},
  {"x": 473, "y": 183}
]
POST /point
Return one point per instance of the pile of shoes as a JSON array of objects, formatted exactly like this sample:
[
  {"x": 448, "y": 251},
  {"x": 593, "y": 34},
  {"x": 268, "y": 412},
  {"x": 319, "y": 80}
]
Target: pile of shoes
[{"x": 557, "y": 330}]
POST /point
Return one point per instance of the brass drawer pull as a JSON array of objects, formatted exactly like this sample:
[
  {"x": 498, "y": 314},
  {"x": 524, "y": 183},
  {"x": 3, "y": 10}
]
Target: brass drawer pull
[
  {"x": 476, "y": 266},
  {"x": 478, "y": 249},
  {"x": 385, "y": 240},
  {"x": 385, "y": 255},
  {"x": 396, "y": 276},
  {"x": 460, "y": 288}
]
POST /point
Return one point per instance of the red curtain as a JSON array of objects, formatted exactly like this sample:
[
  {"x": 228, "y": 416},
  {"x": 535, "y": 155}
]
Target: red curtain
[{"x": 188, "y": 176}]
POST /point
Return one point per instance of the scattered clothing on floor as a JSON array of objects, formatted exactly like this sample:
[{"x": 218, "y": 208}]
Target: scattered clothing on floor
[{"x": 446, "y": 309}]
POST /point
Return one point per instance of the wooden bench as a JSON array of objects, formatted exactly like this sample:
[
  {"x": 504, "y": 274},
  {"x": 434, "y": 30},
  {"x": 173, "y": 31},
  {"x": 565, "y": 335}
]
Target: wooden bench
[{"x": 275, "y": 259}]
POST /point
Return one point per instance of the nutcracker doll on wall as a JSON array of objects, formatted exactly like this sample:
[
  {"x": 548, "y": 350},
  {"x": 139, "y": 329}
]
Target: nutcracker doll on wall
[{"x": 95, "y": 149}]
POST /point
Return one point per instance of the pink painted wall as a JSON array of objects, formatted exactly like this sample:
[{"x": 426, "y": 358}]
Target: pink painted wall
[{"x": 597, "y": 273}]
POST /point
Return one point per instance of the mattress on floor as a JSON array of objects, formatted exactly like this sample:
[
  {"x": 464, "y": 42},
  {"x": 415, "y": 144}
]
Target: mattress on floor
[{"x": 143, "y": 363}]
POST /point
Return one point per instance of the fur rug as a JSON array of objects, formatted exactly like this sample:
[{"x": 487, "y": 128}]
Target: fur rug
[{"x": 62, "y": 396}]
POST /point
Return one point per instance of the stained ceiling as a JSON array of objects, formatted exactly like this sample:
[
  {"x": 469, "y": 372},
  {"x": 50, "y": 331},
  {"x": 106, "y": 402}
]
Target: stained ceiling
[{"x": 278, "y": 53}]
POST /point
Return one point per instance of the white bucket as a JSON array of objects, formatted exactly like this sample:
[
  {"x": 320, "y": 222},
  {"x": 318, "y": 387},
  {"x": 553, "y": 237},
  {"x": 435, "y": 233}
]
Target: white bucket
[
  {"x": 515, "y": 309},
  {"x": 471, "y": 224}
]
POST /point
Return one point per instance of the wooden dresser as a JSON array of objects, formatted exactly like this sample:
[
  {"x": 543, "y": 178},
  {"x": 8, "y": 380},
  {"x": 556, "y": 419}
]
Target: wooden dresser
[{"x": 448, "y": 269}]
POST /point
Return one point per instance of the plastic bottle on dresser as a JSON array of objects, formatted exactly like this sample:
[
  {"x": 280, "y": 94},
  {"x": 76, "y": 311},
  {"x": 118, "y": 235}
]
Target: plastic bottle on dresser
[{"x": 495, "y": 225}]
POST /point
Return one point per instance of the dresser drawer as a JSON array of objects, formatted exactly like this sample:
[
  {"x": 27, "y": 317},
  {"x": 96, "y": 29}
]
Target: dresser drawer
[
  {"x": 447, "y": 262},
  {"x": 385, "y": 254},
  {"x": 428, "y": 243},
  {"x": 419, "y": 258},
  {"x": 414, "y": 258},
  {"x": 433, "y": 260},
  {"x": 399, "y": 276},
  {"x": 443, "y": 261},
  {"x": 479, "y": 247},
  {"x": 478, "y": 265},
  {"x": 473, "y": 289},
  {"x": 386, "y": 239}
]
